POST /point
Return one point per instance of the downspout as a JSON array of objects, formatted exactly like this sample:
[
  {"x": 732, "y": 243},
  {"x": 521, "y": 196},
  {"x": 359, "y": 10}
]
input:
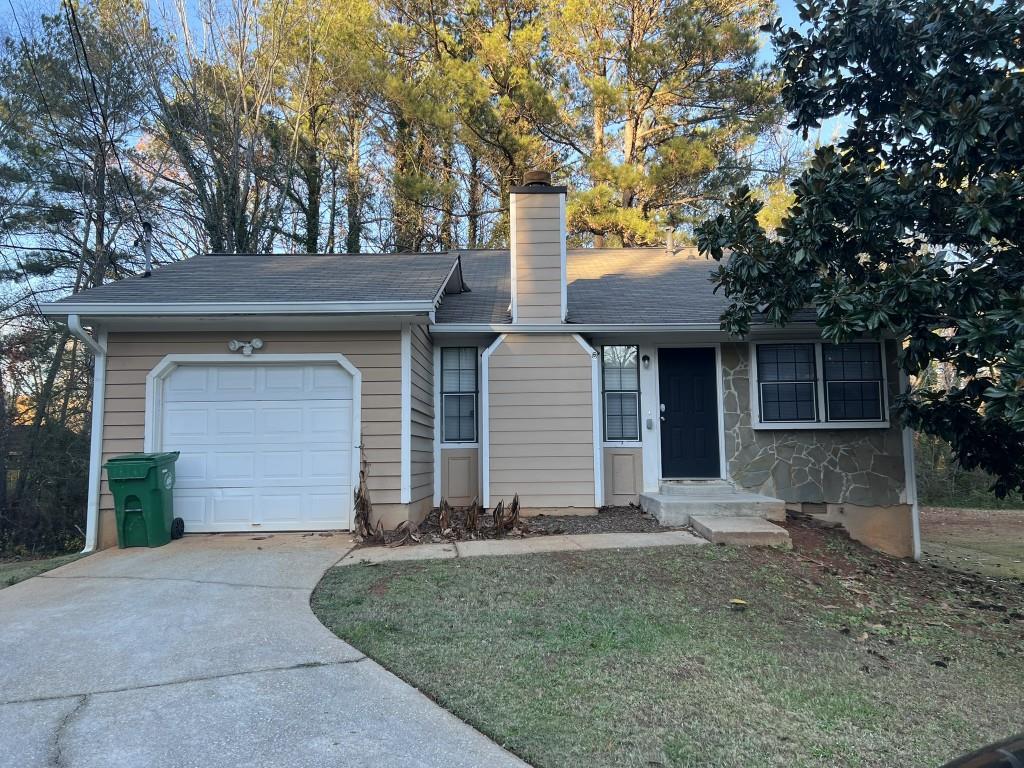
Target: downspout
[
  {"x": 910, "y": 477},
  {"x": 99, "y": 381}
]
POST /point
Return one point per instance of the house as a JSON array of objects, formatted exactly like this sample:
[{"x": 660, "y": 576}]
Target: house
[{"x": 575, "y": 378}]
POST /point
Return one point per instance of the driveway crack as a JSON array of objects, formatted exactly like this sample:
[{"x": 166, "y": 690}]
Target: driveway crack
[
  {"x": 181, "y": 681},
  {"x": 173, "y": 579},
  {"x": 56, "y": 751}
]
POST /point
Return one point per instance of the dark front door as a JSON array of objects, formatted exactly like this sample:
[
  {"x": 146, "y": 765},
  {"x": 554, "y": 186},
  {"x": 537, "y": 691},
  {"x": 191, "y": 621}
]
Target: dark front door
[{"x": 689, "y": 413}]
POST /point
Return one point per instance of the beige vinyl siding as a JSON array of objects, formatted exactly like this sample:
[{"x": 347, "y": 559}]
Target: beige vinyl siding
[
  {"x": 460, "y": 475},
  {"x": 537, "y": 250},
  {"x": 540, "y": 419},
  {"x": 377, "y": 355},
  {"x": 422, "y": 415}
]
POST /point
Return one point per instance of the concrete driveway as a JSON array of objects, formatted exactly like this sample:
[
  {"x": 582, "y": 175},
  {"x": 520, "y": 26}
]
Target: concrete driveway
[{"x": 205, "y": 653}]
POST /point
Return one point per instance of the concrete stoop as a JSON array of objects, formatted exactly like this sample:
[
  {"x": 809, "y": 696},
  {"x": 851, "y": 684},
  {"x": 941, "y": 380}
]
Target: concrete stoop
[
  {"x": 677, "y": 503},
  {"x": 741, "y": 531}
]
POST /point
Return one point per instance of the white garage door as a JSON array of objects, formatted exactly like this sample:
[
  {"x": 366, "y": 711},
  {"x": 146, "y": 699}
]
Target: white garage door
[{"x": 263, "y": 447}]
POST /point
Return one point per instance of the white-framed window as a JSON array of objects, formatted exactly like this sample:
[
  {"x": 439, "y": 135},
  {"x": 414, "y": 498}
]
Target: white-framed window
[
  {"x": 458, "y": 394},
  {"x": 807, "y": 385},
  {"x": 620, "y": 377}
]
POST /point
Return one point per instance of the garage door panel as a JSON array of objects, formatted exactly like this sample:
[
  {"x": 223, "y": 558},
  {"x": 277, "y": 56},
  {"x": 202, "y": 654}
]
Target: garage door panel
[
  {"x": 321, "y": 506},
  {"x": 233, "y": 507},
  {"x": 235, "y": 423},
  {"x": 190, "y": 469},
  {"x": 233, "y": 469},
  {"x": 263, "y": 447},
  {"x": 282, "y": 465},
  {"x": 182, "y": 422}
]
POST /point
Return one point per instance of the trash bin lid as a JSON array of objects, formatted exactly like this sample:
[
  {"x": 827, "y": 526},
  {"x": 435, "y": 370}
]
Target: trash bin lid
[
  {"x": 148, "y": 458},
  {"x": 135, "y": 466}
]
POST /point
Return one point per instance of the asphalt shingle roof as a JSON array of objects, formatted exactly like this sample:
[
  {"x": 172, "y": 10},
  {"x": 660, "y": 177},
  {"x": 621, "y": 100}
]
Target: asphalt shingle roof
[
  {"x": 606, "y": 285},
  {"x": 282, "y": 278},
  {"x": 641, "y": 285}
]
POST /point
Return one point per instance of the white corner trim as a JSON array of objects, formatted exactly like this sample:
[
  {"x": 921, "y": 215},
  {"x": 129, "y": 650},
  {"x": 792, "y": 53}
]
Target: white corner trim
[
  {"x": 406, "y": 480},
  {"x": 564, "y": 309},
  {"x": 437, "y": 426},
  {"x": 720, "y": 393},
  {"x": 595, "y": 389},
  {"x": 512, "y": 250},
  {"x": 99, "y": 386},
  {"x": 485, "y": 420},
  {"x": 910, "y": 477},
  {"x": 154, "y": 394}
]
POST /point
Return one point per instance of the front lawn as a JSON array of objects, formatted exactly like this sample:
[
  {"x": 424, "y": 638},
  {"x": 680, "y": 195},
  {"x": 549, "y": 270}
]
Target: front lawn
[
  {"x": 635, "y": 658},
  {"x": 18, "y": 569}
]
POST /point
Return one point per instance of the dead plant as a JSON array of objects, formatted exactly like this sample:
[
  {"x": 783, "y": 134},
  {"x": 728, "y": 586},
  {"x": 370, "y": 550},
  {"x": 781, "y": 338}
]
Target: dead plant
[
  {"x": 499, "y": 517},
  {"x": 473, "y": 516},
  {"x": 444, "y": 516},
  {"x": 363, "y": 505}
]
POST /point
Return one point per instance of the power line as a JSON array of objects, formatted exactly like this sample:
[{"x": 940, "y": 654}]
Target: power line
[{"x": 72, "y": 18}]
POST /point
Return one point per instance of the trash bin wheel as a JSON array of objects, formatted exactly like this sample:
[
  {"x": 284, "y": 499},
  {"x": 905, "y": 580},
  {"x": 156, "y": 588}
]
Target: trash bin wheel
[{"x": 177, "y": 528}]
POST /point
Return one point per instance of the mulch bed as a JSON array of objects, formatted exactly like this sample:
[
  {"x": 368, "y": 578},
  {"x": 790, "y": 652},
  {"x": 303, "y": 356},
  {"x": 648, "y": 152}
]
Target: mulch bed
[{"x": 628, "y": 519}]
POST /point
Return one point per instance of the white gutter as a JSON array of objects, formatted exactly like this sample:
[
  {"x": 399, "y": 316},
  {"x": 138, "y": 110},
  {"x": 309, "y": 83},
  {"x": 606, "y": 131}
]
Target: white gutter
[
  {"x": 405, "y": 480},
  {"x": 99, "y": 385},
  {"x": 101, "y": 309},
  {"x": 608, "y": 328},
  {"x": 75, "y": 326}
]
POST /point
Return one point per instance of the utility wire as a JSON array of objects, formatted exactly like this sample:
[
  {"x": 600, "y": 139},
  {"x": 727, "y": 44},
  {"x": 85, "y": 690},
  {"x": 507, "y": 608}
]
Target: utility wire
[{"x": 76, "y": 33}]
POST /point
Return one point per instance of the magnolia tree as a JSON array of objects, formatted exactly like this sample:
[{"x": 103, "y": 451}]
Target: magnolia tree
[{"x": 910, "y": 226}]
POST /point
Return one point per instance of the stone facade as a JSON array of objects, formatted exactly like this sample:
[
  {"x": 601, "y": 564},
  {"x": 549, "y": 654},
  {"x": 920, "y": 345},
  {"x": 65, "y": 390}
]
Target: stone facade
[{"x": 838, "y": 466}]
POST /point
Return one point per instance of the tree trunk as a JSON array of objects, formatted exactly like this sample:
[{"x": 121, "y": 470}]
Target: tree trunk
[
  {"x": 353, "y": 178},
  {"x": 5, "y": 447},
  {"x": 600, "y": 118},
  {"x": 475, "y": 201}
]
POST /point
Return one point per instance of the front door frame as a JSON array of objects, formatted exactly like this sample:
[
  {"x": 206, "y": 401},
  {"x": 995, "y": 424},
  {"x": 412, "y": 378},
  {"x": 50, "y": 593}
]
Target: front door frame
[{"x": 723, "y": 467}]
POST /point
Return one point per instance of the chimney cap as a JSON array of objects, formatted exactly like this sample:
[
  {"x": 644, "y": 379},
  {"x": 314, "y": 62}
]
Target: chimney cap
[{"x": 537, "y": 178}]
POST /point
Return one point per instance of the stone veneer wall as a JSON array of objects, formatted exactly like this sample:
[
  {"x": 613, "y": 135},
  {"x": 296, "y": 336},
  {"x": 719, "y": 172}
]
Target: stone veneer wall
[{"x": 839, "y": 466}]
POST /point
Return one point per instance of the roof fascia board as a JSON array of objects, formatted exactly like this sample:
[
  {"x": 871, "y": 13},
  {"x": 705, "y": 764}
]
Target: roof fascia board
[
  {"x": 768, "y": 331},
  {"x": 100, "y": 309}
]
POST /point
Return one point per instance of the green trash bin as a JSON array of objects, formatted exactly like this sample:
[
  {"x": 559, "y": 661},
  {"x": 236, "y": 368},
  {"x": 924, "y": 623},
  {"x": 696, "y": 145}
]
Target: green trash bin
[{"x": 142, "y": 486}]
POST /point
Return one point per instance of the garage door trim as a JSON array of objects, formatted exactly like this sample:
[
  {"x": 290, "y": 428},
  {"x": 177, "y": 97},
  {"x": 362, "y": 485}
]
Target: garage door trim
[{"x": 155, "y": 399}]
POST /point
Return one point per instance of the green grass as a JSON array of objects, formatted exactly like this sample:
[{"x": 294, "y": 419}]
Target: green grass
[
  {"x": 634, "y": 658},
  {"x": 13, "y": 571}
]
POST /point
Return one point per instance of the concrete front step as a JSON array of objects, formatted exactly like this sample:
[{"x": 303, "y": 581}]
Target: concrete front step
[
  {"x": 741, "y": 531},
  {"x": 690, "y": 487},
  {"x": 676, "y": 509}
]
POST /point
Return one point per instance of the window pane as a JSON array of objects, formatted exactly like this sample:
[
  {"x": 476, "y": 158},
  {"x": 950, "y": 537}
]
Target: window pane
[
  {"x": 458, "y": 369},
  {"x": 854, "y": 400},
  {"x": 459, "y": 418},
  {"x": 858, "y": 361},
  {"x": 622, "y": 416},
  {"x": 620, "y": 368},
  {"x": 785, "y": 362},
  {"x": 853, "y": 381},
  {"x": 787, "y": 402}
]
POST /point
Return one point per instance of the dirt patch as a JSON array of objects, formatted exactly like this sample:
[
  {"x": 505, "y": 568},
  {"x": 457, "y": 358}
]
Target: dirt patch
[{"x": 984, "y": 542}]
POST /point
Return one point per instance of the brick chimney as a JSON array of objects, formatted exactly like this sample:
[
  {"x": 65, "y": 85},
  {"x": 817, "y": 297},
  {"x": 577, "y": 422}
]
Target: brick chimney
[{"x": 537, "y": 240}]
